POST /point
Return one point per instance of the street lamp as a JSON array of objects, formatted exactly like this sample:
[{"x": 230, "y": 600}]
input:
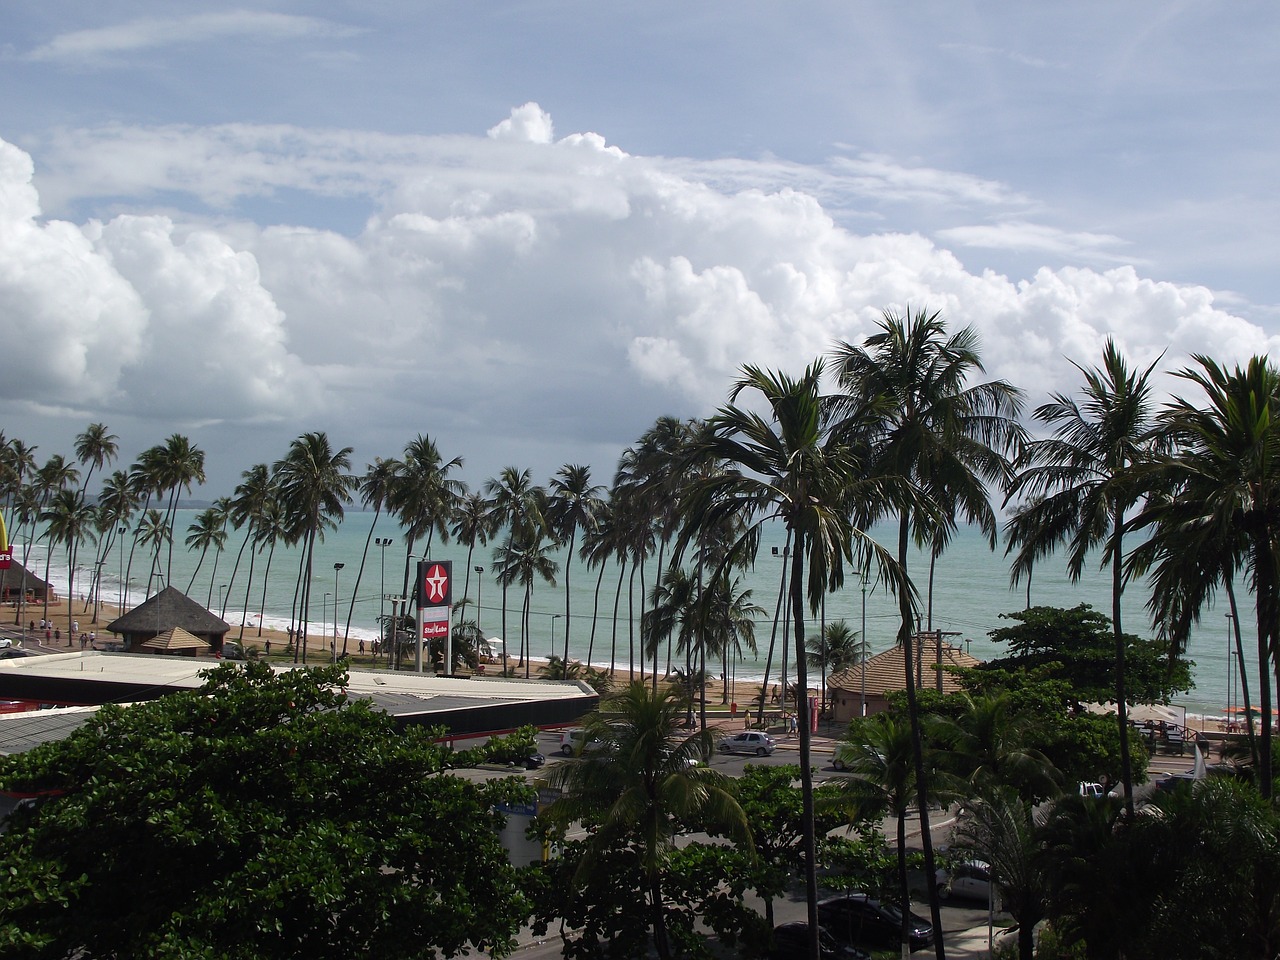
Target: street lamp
[
  {"x": 864, "y": 644},
  {"x": 565, "y": 665},
  {"x": 383, "y": 543},
  {"x": 324, "y": 607},
  {"x": 479, "y": 606},
  {"x": 417, "y": 640},
  {"x": 1231, "y": 686},
  {"x": 334, "y": 648},
  {"x": 120, "y": 580},
  {"x": 221, "y": 587}
]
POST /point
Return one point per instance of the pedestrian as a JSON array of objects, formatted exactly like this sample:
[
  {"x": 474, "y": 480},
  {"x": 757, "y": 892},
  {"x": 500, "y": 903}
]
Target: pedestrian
[
  {"x": 362, "y": 646},
  {"x": 268, "y": 645},
  {"x": 48, "y": 634},
  {"x": 84, "y": 640},
  {"x": 57, "y": 635},
  {"x": 75, "y": 626}
]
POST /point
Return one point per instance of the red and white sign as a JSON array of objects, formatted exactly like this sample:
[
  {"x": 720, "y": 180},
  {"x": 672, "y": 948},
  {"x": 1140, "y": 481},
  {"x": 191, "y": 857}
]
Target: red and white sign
[
  {"x": 435, "y": 585},
  {"x": 434, "y": 629},
  {"x": 6, "y": 558}
]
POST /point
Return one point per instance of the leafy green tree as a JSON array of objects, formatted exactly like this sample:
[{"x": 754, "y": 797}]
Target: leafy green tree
[
  {"x": 1080, "y": 645},
  {"x": 263, "y": 816},
  {"x": 775, "y": 810},
  {"x": 633, "y": 793}
]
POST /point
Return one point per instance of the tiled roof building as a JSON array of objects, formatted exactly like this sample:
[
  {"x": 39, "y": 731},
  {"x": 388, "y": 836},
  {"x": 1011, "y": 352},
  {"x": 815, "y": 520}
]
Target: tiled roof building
[{"x": 886, "y": 674}]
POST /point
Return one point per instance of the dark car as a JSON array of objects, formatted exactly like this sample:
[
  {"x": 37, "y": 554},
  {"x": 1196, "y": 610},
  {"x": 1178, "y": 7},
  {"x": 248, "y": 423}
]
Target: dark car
[
  {"x": 533, "y": 761},
  {"x": 791, "y": 942},
  {"x": 857, "y": 918}
]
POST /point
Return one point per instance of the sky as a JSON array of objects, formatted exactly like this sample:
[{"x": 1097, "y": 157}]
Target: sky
[{"x": 529, "y": 229}]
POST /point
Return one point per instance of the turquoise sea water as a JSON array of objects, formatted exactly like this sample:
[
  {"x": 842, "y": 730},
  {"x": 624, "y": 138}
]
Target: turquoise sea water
[{"x": 971, "y": 590}]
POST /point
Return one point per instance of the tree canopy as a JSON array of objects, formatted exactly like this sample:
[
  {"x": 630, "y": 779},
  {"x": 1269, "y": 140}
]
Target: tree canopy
[
  {"x": 1079, "y": 643},
  {"x": 264, "y": 815}
]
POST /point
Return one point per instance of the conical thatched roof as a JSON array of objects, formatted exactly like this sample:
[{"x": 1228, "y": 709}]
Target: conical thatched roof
[
  {"x": 175, "y": 639},
  {"x": 167, "y": 609}
]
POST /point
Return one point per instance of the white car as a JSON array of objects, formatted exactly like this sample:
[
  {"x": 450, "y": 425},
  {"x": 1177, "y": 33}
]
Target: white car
[
  {"x": 572, "y": 741},
  {"x": 970, "y": 880},
  {"x": 5, "y": 643},
  {"x": 749, "y": 741}
]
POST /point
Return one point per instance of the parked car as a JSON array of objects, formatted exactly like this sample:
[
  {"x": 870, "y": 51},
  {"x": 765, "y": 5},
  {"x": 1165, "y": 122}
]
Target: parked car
[
  {"x": 5, "y": 643},
  {"x": 533, "y": 761},
  {"x": 572, "y": 741},
  {"x": 749, "y": 741},
  {"x": 970, "y": 880},
  {"x": 859, "y": 919},
  {"x": 1092, "y": 790},
  {"x": 791, "y": 942}
]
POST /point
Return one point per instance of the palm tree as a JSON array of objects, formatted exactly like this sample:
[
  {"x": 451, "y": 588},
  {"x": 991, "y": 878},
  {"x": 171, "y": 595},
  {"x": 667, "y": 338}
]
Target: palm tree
[
  {"x": 516, "y": 504},
  {"x": 1080, "y": 482},
  {"x": 68, "y": 520},
  {"x": 207, "y": 530},
  {"x": 95, "y": 448},
  {"x": 879, "y": 756},
  {"x": 989, "y": 745},
  {"x": 792, "y": 468},
  {"x": 56, "y": 476},
  {"x": 375, "y": 490},
  {"x": 1001, "y": 830},
  {"x": 314, "y": 487},
  {"x": 1220, "y": 501},
  {"x": 472, "y": 524},
  {"x": 837, "y": 648},
  {"x": 253, "y": 496},
  {"x": 639, "y": 786},
  {"x": 943, "y": 440},
  {"x": 181, "y": 465},
  {"x": 574, "y": 504},
  {"x": 424, "y": 497}
]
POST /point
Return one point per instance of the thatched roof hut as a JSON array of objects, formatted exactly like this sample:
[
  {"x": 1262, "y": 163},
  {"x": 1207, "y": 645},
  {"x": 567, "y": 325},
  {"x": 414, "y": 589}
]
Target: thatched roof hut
[{"x": 168, "y": 609}]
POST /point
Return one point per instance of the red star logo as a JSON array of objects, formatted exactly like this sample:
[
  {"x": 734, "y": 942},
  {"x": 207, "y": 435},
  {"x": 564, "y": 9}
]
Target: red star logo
[{"x": 437, "y": 583}]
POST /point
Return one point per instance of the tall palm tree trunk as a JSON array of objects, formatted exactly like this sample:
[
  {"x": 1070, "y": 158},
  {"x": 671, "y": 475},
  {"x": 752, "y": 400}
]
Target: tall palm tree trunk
[
  {"x": 1122, "y": 705},
  {"x": 595, "y": 615},
  {"x": 773, "y": 636},
  {"x": 917, "y": 742},
  {"x": 807, "y": 829}
]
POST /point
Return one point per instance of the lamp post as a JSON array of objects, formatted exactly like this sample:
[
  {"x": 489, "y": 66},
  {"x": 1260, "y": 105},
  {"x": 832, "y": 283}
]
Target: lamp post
[
  {"x": 221, "y": 587},
  {"x": 334, "y": 648},
  {"x": 324, "y": 608},
  {"x": 417, "y": 628},
  {"x": 1231, "y": 685},
  {"x": 120, "y": 580},
  {"x": 565, "y": 665},
  {"x": 383, "y": 543},
  {"x": 863, "y": 638},
  {"x": 480, "y": 638}
]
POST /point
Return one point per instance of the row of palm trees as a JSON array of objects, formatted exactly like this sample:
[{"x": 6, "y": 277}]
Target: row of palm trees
[{"x": 911, "y": 433}]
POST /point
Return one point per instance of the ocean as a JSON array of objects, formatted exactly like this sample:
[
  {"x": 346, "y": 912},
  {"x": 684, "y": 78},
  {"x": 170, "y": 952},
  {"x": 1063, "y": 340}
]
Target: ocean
[{"x": 971, "y": 591}]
